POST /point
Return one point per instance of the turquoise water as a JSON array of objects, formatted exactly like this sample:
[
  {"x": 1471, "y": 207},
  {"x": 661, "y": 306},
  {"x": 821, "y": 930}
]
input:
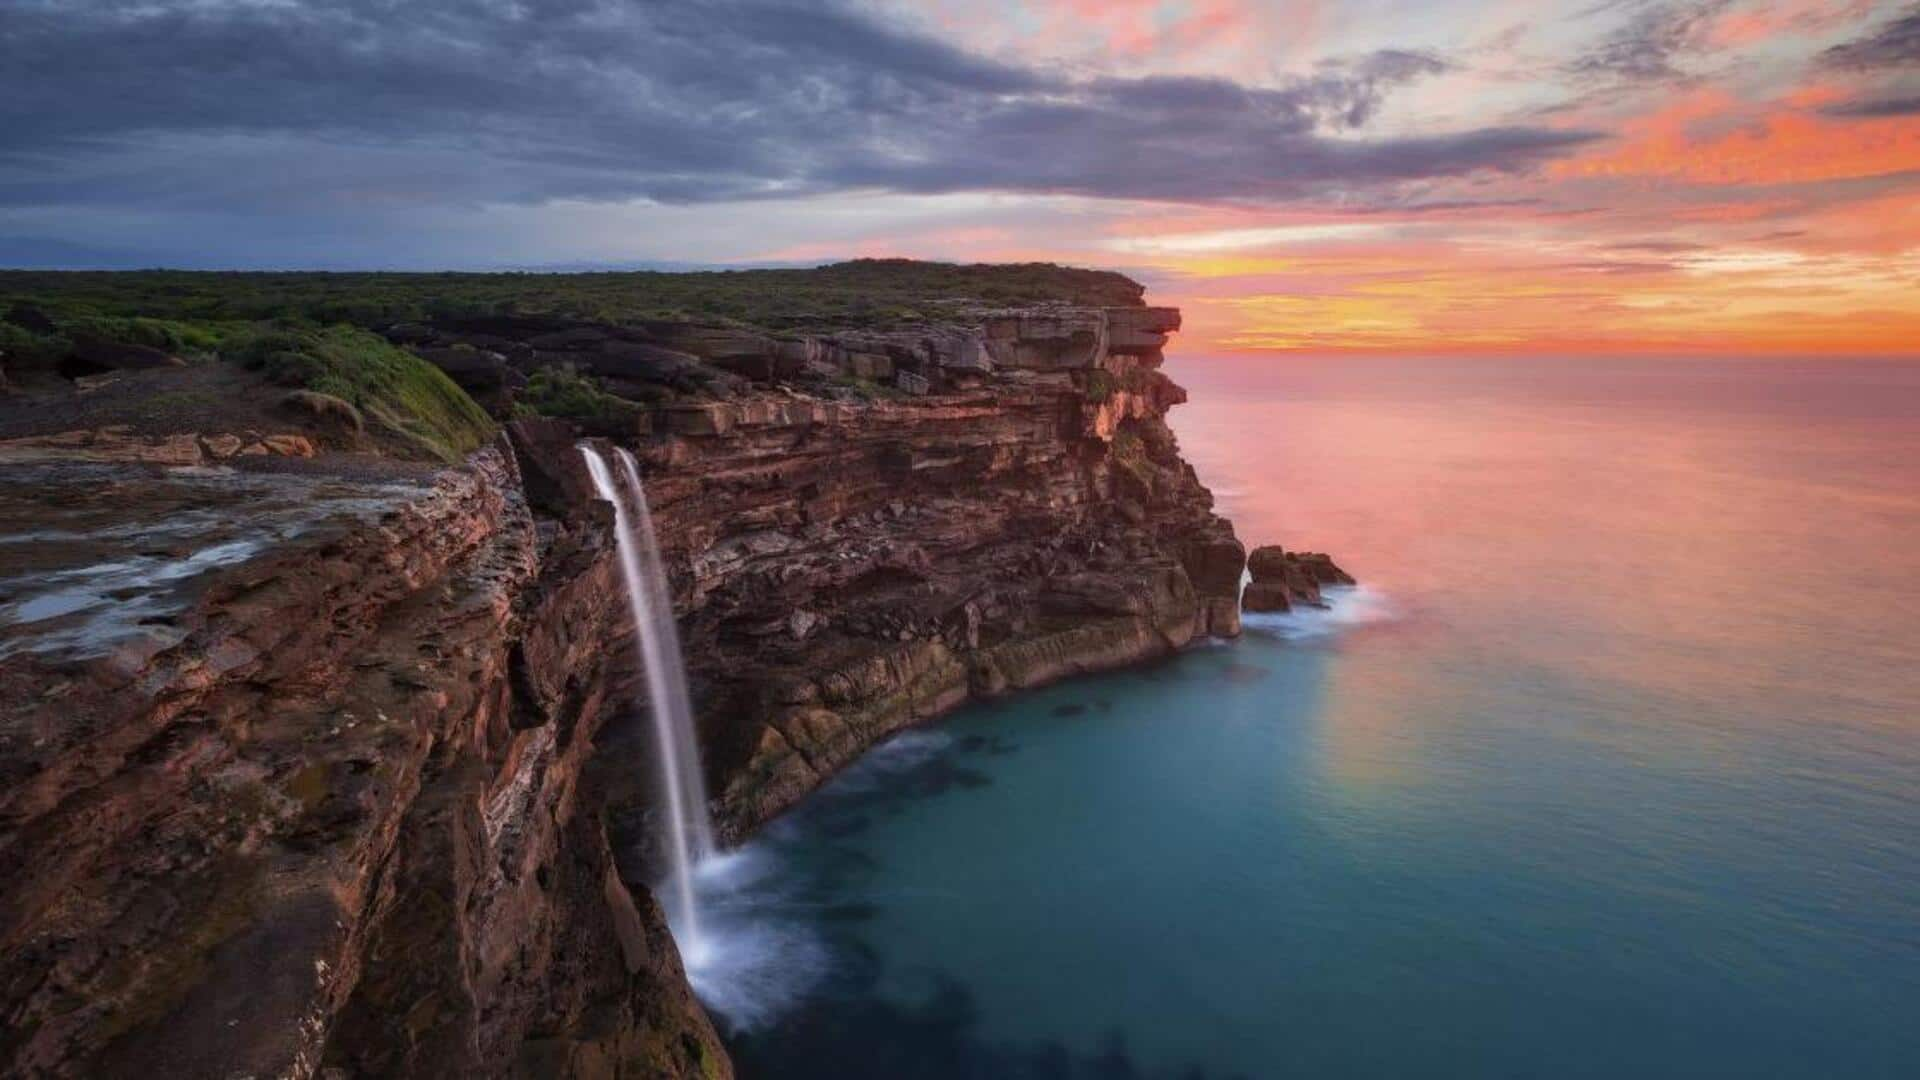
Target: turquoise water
[{"x": 1611, "y": 768}]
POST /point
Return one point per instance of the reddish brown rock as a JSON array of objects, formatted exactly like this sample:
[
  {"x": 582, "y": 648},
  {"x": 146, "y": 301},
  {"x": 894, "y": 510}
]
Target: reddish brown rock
[
  {"x": 352, "y": 800},
  {"x": 315, "y": 812},
  {"x": 1266, "y": 596},
  {"x": 1283, "y": 578}
]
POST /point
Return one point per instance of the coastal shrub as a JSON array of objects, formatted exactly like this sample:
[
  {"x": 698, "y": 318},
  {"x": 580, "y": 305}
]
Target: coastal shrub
[
  {"x": 170, "y": 335},
  {"x": 561, "y": 391},
  {"x": 856, "y": 293},
  {"x": 391, "y": 387},
  {"x": 29, "y": 349},
  {"x": 1100, "y": 385},
  {"x": 1129, "y": 452}
]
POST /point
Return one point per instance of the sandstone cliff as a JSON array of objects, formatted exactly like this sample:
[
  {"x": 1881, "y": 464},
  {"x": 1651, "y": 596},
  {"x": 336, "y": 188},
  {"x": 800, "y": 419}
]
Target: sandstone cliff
[{"x": 309, "y": 767}]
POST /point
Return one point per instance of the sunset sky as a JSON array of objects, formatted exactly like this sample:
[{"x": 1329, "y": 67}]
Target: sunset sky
[{"x": 1728, "y": 176}]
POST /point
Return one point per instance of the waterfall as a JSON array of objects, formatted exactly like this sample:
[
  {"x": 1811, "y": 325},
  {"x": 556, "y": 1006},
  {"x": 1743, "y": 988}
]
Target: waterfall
[{"x": 689, "y": 836}]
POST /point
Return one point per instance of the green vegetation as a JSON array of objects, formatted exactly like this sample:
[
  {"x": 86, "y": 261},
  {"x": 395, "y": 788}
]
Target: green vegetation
[
  {"x": 320, "y": 332},
  {"x": 867, "y": 389},
  {"x": 1129, "y": 453},
  {"x": 564, "y": 392},
  {"x": 394, "y": 388},
  {"x": 172, "y": 335},
  {"x": 864, "y": 292},
  {"x": 30, "y": 348},
  {"x": 1102, "y": 384}
]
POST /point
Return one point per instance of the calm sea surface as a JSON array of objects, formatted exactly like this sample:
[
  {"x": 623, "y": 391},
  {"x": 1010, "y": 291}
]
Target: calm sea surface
[{"x": 1610, "y": 768}]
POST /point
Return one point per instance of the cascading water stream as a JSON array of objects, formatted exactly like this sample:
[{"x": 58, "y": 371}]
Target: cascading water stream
[
  {"x": 689, "y": 833},
  {"x": 669, "y": 689}
]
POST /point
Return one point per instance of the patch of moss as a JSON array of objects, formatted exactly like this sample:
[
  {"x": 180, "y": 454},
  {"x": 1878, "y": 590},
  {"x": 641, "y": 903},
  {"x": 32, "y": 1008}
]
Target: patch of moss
[{"x": 391, "y": 387}]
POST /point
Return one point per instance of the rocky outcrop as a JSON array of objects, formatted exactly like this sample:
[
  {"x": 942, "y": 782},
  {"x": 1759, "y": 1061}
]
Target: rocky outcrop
[
  {"x": 1282, "y": 579},
  {"x": 314, "y": 768},
  {"x": 119, "y": 444}
]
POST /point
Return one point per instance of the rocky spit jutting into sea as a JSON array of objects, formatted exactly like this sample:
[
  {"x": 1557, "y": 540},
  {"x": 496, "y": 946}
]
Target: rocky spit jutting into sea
[{"x": 324, "y": 735}]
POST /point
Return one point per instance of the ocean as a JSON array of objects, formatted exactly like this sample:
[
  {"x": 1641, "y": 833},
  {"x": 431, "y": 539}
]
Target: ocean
[{"x": 1609, "y": 767}]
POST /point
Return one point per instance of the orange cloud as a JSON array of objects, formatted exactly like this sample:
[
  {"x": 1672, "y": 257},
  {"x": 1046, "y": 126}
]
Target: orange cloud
[{"x": 1709, "y": 137}]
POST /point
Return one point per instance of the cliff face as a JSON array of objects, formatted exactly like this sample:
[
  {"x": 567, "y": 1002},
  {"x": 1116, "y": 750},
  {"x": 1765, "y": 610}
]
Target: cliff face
[
  {"x": 330, "y": 798},
  {"x": 849, "y": 568},
  {"x": 329, "y": 801}
]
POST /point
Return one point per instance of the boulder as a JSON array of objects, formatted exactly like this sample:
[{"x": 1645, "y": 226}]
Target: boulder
[
  {"x": 1266, "y": 596},
  {"x": 551, "y": 469},
  {"x": 635, "y": 360},
  {"x": 1268, "y": 563},
  {"x": 1283, "y": 578},
  {"x": 1321, "y": 568}
]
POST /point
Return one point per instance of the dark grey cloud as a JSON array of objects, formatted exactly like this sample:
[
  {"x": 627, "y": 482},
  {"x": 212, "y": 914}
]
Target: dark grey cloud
[
  {"x": 1875, "y": 107},
  {"x": 1646, "y": 48},
  {"x": 1893, "y": 45},
  {"x": 225, "y": 106}
]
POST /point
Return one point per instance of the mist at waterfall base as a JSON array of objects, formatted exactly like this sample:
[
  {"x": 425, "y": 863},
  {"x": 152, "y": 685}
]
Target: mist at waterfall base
[{"x": 1612, "y": 769}]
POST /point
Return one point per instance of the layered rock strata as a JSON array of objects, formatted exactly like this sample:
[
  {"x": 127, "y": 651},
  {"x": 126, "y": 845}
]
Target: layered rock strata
[
  {"x": 867, "y": 527},
  {"x": 324, "y": 801},
  {"x": 310, "y": 769}
]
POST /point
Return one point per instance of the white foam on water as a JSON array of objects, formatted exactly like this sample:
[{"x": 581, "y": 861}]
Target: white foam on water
[
  {"x": 759, "y": 954},
  {"x": 1347, "y": 606},
  {"x": 760, "y": 951},
  {"x": 902, "y": 753}
]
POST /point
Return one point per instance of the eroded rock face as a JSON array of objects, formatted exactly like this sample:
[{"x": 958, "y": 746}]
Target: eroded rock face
[
  {"x": 327, "y": 803},
  {"x": 846, "y": 568}
]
